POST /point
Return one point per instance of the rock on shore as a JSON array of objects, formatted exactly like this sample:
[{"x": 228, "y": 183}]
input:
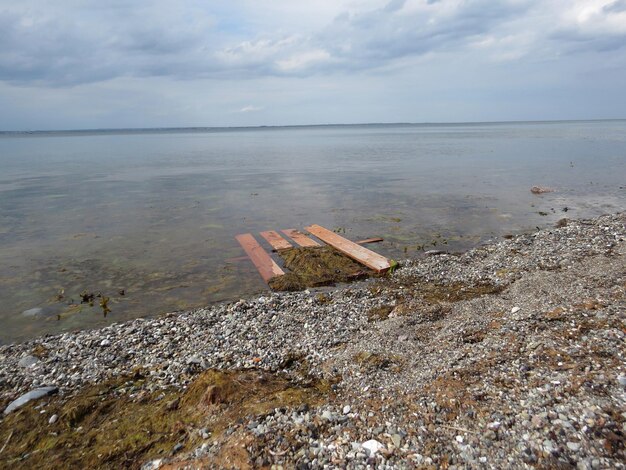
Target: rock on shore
[{"x": 508, "y": 356}]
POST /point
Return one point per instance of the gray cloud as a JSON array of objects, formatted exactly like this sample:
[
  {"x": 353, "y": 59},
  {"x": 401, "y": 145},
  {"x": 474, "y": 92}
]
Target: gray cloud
[
  {"x": 376, "y": 37},
  {"x": 81, "y": 46},
  {"x": 67, "y": 43},
  {"x": 618, "y": 6},
  {"x": 576, "y": 41},
  {"x": 603, "y": 30}
]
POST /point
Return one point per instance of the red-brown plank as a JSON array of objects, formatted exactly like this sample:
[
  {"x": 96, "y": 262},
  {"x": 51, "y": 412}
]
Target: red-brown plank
[
  {"x": 299, "y": 237},
  {"x": 274, "y": 239},
  {"x": 263, "y": 262},
  {"x": 358, "y": 253}
]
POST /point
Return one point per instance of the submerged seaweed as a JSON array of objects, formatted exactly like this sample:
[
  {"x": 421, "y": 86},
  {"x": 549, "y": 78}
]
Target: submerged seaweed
[{"x": 317, "y": 266}]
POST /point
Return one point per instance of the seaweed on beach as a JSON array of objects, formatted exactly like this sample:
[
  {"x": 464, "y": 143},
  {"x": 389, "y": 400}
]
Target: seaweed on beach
[
  {"x": 120, "y": 423},
  {"x": 317, "y": 266}
]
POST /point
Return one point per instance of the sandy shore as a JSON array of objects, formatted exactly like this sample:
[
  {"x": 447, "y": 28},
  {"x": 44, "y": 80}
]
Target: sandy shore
[{"x": 508, "y": 356}]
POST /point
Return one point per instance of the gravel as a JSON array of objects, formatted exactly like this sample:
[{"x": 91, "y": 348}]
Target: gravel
[{"x": 531, "y": 373}]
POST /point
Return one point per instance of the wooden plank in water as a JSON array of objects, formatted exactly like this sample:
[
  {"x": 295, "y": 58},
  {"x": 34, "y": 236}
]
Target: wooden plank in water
[
  {"x": 274, "y": 239},
  {"x": 358, "y": 253},
  {"x": 369, "y": 240},
  {"x": 263, "y": 262},
  {"x": 299, "y": 237}
]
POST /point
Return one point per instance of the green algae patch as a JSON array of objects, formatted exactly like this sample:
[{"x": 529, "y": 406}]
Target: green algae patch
[
  {"x": 379, "y": 313},
  {"x": 120, "y": 424},
  {"x": 435, "y": 293},
  {"x": 369, "y": 361},
  {"x": 229, "y": 396},
  {"x": 315, "y": 267},
  {"x": 456, "y": 291}
]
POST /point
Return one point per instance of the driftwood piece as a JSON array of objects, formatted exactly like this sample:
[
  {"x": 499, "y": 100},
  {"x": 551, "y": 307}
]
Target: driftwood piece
[{"x": 262, "y": 260}]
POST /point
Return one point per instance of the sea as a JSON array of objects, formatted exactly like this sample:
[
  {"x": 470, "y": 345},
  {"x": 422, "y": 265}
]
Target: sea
[{"x": 144, "y": 220}]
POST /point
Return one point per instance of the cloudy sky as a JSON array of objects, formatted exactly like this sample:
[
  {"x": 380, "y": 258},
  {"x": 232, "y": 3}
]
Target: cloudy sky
[{"x": 72, "y": 64}]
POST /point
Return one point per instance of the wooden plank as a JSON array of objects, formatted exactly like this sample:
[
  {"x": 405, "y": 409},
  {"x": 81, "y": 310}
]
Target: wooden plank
[
  {"x": 274, "y": 239},
  {"x": 263, "y": 262},
  {"x": 369, "y": 240},
  {"x": 358, "y": 253},
  {"x": 299, "y": 237}
]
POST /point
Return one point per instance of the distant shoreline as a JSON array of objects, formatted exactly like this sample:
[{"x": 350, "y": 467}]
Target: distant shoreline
[{"x": 212, "y": 129}]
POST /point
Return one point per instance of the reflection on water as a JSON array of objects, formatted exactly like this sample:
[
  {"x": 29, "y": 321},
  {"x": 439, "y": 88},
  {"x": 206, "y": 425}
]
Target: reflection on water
[{"x": 152, "y": 215}]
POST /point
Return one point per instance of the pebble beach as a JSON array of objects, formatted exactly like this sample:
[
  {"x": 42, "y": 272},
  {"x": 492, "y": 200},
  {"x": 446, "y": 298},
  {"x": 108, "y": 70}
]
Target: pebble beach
[{"x": 510, "y": 355}]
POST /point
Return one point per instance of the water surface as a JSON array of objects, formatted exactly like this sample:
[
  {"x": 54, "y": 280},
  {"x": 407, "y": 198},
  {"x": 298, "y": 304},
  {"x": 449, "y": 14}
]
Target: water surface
[{"x": 153, "y": 213}]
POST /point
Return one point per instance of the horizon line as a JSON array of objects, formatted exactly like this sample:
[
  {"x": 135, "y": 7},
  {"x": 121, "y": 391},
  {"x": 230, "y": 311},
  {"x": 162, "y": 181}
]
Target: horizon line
[{"x": 283, "y": 126}]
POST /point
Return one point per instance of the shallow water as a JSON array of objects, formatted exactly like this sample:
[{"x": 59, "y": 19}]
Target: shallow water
[{"x": 155, "y": 213}]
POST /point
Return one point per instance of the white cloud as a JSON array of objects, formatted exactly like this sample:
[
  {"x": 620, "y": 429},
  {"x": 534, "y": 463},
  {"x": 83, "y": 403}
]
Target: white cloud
[
  {"x": 303, "y": 60},
  {"x": 250, "y": 109}
]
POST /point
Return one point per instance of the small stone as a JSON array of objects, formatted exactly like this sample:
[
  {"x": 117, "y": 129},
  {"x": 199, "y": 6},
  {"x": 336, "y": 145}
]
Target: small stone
[
  {"x": 494, "y": 425},
  {"x": 540, "y": 190},
  {"x": 528, "y": 456},
  {"x": 28, "y": 361},
  {"x": 152, "y": 465},
  {"x": 537, "y": 421},
  {"x": 372, "y": 446},
  {"x": 434, "y": 253},
  {"x": 459, "y": 439},
  {"x": 548, "y": 445},
  {"x": 396, "y": 439},
  {"x": 53, "y": 419},
  {"x": 573, "y": 446},
  {"x": 33, "y": 312},
  {"x": 32, "y": 395},
  {"x": 194, "y": 360},
  {"x": 622, "y": 380},
  {"x": 515, "y": 309},
  {"x": 177, "y": 448},
  {"x": 328, "y": 415},
  {"x": 105, "y": 342},
  {"x": 346, "y": 409}
]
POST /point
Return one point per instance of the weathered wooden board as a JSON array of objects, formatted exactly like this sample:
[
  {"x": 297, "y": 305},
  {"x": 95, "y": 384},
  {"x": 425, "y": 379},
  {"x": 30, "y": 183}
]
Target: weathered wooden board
[
  {"x": 358, "y": 253},
  {"x": 274, "y": 239},
  {"x": 299, "y": 237},
  {"x": 369, "y": 240},
  {"x": 261, "y": 259}
]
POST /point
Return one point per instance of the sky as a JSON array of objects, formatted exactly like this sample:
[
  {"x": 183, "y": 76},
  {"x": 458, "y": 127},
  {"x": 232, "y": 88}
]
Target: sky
[{"x": 79, "y": 64}]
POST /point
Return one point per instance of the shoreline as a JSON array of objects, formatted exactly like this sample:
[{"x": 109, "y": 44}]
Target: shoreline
[
  {"x": 492, "y": 358},
  {"x": 188, "y": 129}
]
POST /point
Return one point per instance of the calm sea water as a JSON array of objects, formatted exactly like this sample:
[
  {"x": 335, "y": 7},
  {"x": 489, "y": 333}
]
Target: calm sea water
[{"x": 154, "y": 213}]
